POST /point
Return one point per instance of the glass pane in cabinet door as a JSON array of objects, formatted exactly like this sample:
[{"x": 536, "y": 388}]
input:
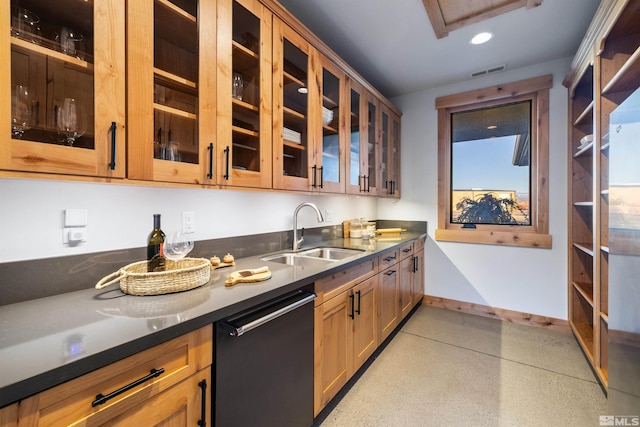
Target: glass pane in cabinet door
[
  {"x": 295, "y": 155},
  {"x": 175, "y": 95},
  {"x": 330, "y": 134},
  {"x": 246, "y": 90},
  {"x": 395, "y": 154},
  {"x": 371, "y": 146},
  {"x": 52, "y": 73},
  {"x": 385, "y": 152},
  {"x": 354, "y": 144}
]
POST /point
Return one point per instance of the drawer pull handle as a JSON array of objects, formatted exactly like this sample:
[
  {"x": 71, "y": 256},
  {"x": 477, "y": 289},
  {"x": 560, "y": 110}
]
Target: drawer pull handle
[
  {"x": 353, "y": 310},
  {"x": 405, "y": 250},
  {"x": 100, "y": 398},
  {"x": 390, "y": 273},
  {"x": 390, "y": 258},
  {"x": 202, "y": 422}
]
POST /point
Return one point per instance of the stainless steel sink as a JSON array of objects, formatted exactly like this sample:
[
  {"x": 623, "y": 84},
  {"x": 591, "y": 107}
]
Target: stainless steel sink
[
  {"x": 334, "y": 254},
  {"x": 312, "y": 257}
]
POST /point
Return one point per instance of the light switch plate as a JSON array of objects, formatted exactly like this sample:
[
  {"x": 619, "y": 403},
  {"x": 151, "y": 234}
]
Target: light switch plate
[{"x": 76, "y": 217}]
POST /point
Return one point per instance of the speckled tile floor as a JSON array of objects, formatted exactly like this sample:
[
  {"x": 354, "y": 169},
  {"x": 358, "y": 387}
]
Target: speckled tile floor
[{"x": 446, "y": 368}]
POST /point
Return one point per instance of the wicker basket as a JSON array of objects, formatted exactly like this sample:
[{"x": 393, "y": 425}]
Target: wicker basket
[{"x": 136, "y": 280}]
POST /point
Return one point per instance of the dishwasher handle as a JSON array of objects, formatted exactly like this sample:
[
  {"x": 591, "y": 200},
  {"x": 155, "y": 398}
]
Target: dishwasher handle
[{"x": 235, "y": 330}]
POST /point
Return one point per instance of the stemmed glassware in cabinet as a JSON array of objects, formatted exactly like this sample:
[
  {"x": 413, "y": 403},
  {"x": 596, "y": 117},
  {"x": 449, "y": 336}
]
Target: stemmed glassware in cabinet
[
  {"x": 20, "y": 112},
  {"x": 176, "y": 246},
  {"x": 71, "y": 121}
]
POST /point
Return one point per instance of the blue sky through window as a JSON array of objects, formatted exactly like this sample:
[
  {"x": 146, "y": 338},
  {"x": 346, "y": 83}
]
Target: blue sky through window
[{"x": 487, "y": 164}]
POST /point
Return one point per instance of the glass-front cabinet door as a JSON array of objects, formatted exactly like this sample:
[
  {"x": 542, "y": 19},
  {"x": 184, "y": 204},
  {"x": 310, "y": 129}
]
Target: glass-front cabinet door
[
  {"x": 330, "y": 135},
  {"x": 244, "y": 93},
  {"x": 292, "y": 90},
  {"x": 64, "y": 88},
  {"x": 356, "y": 125},
  {"x": 171, "y": 90},
  {"x": 390, "y": 153},
  {"x": 373, "y": 146}
]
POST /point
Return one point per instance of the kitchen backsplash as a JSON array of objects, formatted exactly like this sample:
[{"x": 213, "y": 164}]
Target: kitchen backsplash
[{"x": 27, "y": 280}]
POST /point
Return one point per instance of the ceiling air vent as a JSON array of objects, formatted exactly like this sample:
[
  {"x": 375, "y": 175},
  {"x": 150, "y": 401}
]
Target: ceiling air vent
[{"x": 490, "y": 70}]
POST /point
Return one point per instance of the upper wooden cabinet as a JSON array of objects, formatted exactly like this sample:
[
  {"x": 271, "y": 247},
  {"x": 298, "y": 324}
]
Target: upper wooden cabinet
[
  {"x": 330, "y": 131},
  {"x": 225, "y": 93},
  {"x": 293, "y": 71},
  {"x": 310, "y": 135},
  {"x": 356, "y": 159},
  {"x": 389, "y": 153},
  {"x": 244, "y": 94},
  {"x": 171, "y": 95},
  {"x": 63, "y": 72}
]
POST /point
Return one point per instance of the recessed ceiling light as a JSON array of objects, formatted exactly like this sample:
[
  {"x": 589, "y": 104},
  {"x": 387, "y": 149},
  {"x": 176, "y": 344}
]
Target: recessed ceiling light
[
  {"x": 492, "y": 127},
  {"x": 481, "y": 38}
]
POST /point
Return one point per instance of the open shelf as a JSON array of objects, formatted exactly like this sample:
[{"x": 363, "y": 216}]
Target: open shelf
[
  {"x": 585, "y": 116},
  {"x": 51, "y": 53},
  {"x": 626, "y": 77}
]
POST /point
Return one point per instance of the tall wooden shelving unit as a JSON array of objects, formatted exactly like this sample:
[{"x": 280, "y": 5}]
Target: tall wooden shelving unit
[{"x": 605, "y": 71}]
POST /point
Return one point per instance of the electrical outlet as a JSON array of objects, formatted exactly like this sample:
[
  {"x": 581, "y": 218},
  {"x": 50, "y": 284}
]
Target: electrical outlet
[
  {"x": 329, "y": 215},
  {"x": 188, "y": 222}
]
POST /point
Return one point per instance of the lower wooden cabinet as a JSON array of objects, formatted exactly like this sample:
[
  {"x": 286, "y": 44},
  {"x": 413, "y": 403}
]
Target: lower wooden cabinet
[
  {"x": 345, "y": 337},
  {"x": 417, "y": 287},
  {"x": 173, "y": 388},
  {"x": 9, "y": 416},
  {"x": 389, "y": 307}
]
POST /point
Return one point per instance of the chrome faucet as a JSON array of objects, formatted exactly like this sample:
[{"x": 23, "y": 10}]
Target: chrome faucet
[{"x": 296, "y": 241}]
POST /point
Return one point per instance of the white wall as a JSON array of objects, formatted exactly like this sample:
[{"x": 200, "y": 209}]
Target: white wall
[
  {"x": 121, "y": 216},
  {"x": 521, "y": 279}
]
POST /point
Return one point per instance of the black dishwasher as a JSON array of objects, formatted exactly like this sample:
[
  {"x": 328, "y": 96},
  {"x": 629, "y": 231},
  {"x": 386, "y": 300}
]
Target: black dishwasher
[{"x": 264, "y": 364}]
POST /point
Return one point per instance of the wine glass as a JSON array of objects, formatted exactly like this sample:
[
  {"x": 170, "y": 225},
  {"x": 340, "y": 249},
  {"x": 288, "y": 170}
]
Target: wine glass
[
  {"x": 20, "y": 112},
  {"x": 71, "y": 121},
  {"x": 176, "y": 246}
]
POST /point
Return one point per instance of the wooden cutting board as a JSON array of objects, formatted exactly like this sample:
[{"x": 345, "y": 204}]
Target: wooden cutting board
[
  {"x": 236, "y": 277},
  {"x": 390, "y": 231}
]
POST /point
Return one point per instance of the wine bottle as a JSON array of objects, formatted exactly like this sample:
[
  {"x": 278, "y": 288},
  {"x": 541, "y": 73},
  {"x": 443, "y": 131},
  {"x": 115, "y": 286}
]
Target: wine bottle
[{"x": 155, "y": 247}]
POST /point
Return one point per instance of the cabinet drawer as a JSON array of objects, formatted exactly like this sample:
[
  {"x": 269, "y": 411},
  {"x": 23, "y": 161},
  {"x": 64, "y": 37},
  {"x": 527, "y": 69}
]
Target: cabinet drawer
[
  {"x": 389, "y": 258},
  {"x": 76, "y": 402},
  {"x": 406, "y": 250},
  {"x": 418, "y": 245},
  {"x": 330, "y": 286}
]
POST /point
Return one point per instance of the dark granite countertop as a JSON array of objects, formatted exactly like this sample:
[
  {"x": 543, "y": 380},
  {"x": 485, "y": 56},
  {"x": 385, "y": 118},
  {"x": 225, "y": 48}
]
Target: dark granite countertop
[{"x": 47, "y": 341}]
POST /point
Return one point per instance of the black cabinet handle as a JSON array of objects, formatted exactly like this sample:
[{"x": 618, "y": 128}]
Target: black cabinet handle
[
  {"x": 353, "y": 311},
  {"x": 202, "y": 422},
  {"x": 405, "y": 250},
  {"x": 313, "y": 172},
  {"x": 359, "y": 293},
  {"x": 390, "y": 272},
  {"x": 390, "y": 258},
  {"x": 226, "y": 173},
  {"x": 114, "y": 128},
  {"x": 100, "y": 398},
  {"x": 359, "y": 183},
  {"x": 210, "y": 148},
  {"x": 320, "y": 169},
  {"x": 367, "y": 184}
]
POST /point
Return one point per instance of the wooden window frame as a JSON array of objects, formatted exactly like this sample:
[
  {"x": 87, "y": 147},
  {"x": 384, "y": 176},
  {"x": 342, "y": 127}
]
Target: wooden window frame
[{"x": 534, "y": 235}]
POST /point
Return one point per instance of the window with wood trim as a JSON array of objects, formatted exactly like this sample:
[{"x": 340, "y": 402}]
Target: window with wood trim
[{"x": 493, "y": 165}]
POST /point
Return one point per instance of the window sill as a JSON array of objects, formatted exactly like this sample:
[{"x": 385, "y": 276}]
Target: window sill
[{"x": 503, "y": 238}]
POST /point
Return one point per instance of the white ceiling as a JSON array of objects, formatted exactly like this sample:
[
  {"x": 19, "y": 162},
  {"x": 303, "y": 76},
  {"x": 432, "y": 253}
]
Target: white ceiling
[{"x": 392, "y": 45}]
